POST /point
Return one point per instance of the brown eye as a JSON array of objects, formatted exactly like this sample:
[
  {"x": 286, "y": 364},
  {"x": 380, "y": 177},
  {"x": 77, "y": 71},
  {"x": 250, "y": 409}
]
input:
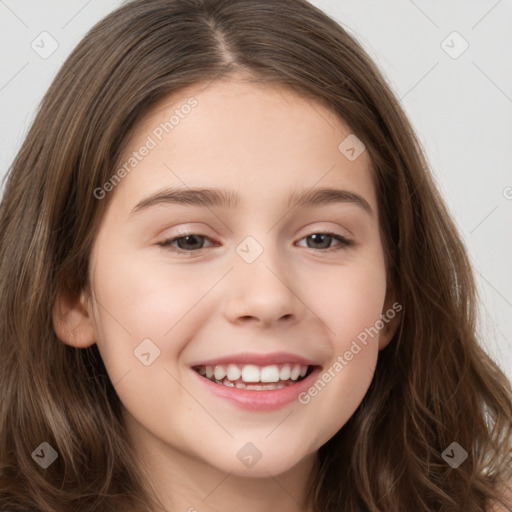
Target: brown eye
[
  {"x": 193, "y": 242},
  {"x": 190, "y": 243},
  {"x": 323, "y": 241}
]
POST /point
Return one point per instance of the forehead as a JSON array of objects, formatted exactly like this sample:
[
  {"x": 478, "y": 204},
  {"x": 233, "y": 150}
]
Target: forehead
[{"x": 259, "y": 140}]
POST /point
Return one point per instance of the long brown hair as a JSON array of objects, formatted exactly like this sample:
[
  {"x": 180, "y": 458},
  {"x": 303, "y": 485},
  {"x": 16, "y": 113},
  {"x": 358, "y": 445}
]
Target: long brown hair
[{"x": 433, "y": 384}]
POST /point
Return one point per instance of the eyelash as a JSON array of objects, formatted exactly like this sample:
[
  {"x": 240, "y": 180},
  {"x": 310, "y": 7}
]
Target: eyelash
[{"x": 344, "y": 242}]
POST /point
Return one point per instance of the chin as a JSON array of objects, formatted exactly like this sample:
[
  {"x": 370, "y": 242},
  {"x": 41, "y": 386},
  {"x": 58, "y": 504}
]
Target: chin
[{"x": 249, "y": 461}]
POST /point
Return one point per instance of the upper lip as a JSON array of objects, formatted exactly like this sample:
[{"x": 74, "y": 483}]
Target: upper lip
[{"x": 257, "y": 359}]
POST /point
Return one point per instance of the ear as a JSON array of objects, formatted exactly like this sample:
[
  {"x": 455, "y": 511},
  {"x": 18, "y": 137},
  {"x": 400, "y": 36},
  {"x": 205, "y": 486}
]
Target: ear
[
  {"x": 72, "y": 320},
  {"x": 391, "y": 315}
]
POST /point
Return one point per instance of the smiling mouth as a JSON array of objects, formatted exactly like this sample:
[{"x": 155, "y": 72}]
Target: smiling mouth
[{"x": 253, "y": 377}]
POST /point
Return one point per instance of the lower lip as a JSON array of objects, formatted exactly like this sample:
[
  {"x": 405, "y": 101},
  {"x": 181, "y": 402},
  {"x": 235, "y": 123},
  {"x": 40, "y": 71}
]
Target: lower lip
[{"x": 260, "y": 400}]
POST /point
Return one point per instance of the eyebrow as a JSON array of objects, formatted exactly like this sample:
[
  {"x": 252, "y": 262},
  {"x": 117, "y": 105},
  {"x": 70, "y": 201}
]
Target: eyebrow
[{"x": 212, "y": 197}]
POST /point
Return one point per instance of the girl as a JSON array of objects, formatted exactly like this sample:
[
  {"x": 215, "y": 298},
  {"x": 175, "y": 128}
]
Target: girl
[{"x": 229, "y": 283}]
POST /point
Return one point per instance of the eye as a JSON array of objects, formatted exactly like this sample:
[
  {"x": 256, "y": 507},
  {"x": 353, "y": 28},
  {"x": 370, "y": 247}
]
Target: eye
[
  {"x": 322, "y": 240},
  {"x": 186, "y": 244},
  {"x": 190, "y": 243}
]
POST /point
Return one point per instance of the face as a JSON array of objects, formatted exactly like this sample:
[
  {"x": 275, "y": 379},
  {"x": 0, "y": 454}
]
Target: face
[{"x": 236, "y": 333}]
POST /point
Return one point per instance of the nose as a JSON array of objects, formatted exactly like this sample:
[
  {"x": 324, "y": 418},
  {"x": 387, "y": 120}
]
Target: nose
[{"x": 263, "y": 292}]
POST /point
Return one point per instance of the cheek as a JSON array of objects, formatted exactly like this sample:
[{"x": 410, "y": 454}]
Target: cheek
[
  {"x": 355, "y": 322},
  {"x": 349, "y": 300},
  {"x": 145, "y": 317},
  {"x": 137, "y": 301},
  {"x": 337, "y": 392}
]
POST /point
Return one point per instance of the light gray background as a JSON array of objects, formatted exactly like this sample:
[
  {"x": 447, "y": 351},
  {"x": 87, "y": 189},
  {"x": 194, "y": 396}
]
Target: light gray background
[{"x": 461, "y": 107}]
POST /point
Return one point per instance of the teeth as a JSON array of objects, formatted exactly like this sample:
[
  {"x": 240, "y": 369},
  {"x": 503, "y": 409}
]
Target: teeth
[
  {"x": 233, "y": 372},
  {"x": 238, "y": 375},
  {"x": 251, "y": 373},
  {"x": 255, "y": 387},
  {"x": 285, "y": 372},
  {"x": 270, "y": 374},
  {"x": 219, "y": 372}
]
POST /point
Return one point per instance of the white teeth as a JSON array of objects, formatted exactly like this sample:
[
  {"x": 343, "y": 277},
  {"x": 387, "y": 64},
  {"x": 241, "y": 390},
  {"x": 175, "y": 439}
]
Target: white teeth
[
  {"x": 284, "y": 374},
  {"x": 251, "y": 373},
  {"x": 233, "y": 372},
  {"x": 238, "y": 375},
  {"x": 219, "y": 372},
  {"x": 270, "y": 374},
  {"x": 294, "y": 374},
  {"x": 255, "y": 387}
]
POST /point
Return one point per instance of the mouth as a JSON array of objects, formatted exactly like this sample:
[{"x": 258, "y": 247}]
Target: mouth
[{"x": 255, "y": 378}]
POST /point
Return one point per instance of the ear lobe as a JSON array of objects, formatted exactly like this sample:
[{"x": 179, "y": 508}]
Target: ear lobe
[
  {"x": 391, "y": 318},
  {"x": 72, "y": 320}
]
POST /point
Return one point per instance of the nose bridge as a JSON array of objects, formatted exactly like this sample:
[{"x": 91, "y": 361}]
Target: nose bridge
[{"x": 261, "y": 283}]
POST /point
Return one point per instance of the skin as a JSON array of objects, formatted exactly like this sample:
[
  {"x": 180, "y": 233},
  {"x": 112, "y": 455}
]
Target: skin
[{"x": 262, "y": 142}]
